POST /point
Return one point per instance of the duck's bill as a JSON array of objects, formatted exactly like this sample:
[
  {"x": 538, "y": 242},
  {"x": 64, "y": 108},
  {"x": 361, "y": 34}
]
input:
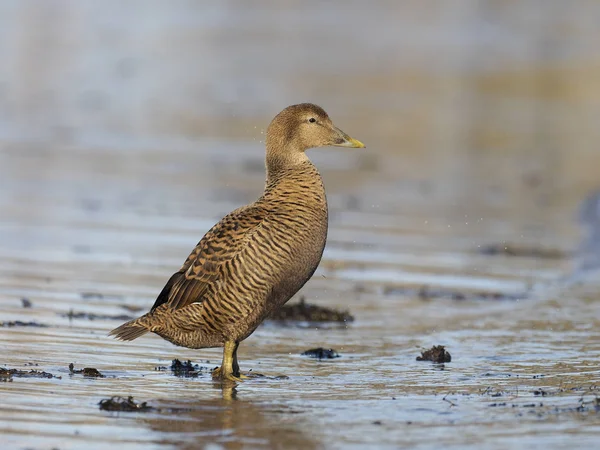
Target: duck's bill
[{"x": 346, "y": 141}]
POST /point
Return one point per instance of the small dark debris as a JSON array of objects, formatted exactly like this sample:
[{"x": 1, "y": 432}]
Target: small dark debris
[
  {"x": 86, "y": 371},
  {"x": 541, "y": 392},
  {"x": 253, "y": 374},
  {"x": 305, "y": 312},
  {"x": 91, "y": 295},
  {"x": 184, "y": 369},
  {"x": 5, "y": 376},
  {"x": 321, "y": 353},
  {"x": 447, "y": 400},
  {"x": 91, "y": 316},
  {"x": 26, "y": 303},
  {"x": 593, "y": 405},
  {"x": 522, "y": 252},
  {"x": 377, "y": 422},
  {"x": 428, "y": 293},
  {"x": 498, "y": 374},
  {"x": 515, "y": 405},
  {"x": 9, "y": 373},
  {"x": 92, "y": 372},
  {"x": 118, "y": 403},
  {"x": 492, "y": 392},
  {"x": 436, "y": 354},
  {"x": 19, "y": 323}
]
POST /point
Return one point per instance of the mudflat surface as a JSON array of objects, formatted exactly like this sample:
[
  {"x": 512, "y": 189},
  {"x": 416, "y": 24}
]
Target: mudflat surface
[{"x": 464, "y": 158}]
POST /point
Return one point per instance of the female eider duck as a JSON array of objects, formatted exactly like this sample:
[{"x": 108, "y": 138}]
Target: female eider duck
[{"x": 258, "y": 256}]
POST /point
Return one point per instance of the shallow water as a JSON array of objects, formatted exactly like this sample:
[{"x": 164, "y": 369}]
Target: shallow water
[{"x": 462, "y": 154}]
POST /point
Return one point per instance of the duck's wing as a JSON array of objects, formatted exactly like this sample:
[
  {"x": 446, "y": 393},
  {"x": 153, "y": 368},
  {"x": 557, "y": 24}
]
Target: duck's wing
[{"x": 204, "y": 265}]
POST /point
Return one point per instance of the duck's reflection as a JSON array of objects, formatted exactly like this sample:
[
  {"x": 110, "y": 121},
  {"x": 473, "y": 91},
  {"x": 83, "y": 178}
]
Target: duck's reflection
[{"x": 228, "y": 421}]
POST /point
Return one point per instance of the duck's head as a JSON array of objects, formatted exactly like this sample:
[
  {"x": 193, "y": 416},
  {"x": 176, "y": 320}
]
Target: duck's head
[{"x": 300, "y": 127}]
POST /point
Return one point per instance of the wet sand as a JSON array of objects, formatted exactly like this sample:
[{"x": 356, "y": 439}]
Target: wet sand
[
  {"x": 534, "y": 333},
  {"x": 461, "y": 159}
]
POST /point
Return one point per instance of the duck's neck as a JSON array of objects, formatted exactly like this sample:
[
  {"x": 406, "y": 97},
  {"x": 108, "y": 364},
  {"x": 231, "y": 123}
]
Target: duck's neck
[{"x": 280, "y": 161}]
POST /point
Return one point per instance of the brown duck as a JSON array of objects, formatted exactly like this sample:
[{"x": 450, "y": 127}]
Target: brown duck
[{"x": 258, "y": 256}]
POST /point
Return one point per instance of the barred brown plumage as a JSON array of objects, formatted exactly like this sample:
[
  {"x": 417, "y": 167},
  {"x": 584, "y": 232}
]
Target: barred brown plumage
[{"x": 258, "y": 256}]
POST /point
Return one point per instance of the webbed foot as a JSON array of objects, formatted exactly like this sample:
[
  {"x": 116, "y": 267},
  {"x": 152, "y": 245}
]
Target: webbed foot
[{"x": 219, "y": 375}]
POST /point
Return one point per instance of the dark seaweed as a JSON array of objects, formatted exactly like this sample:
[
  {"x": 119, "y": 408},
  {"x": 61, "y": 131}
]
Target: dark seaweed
[
  {"x": 8, "y": 374},
  {"x": 305, "y": 312},
  {"x": 522, "y": 252},
  {"x": 128, "y": 404},
  {"x": 19, "y": 323},
  {"x": 428, "y": 293},
  {"x": 184, "y": 369},
  {"x": 86, "y": 371},
  {"x": 321, "y": 353},
  {"x": 91, "y": 316},
  {"x": 437, "y": 354}
]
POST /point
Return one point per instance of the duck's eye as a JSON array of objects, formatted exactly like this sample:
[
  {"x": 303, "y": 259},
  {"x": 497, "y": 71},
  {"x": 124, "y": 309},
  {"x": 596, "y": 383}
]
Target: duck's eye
[{"x": 312, "y": 120}]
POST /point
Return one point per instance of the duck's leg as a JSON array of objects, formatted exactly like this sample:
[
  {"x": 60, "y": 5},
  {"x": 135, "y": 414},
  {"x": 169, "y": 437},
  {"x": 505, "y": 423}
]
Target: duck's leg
[
  {"x": 226, "y": 371},
  {"x": 236, "y": 366}
]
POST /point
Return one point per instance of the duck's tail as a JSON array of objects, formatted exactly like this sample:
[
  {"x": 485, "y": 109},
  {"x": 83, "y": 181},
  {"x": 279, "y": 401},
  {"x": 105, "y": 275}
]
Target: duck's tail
[{"x": 130, "y": 330}]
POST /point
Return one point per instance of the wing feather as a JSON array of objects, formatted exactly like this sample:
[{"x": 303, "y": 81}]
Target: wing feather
[{"x": 204, "y": 265}]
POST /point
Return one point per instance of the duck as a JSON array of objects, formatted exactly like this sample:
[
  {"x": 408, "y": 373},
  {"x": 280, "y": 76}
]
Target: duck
[{"x": 256, "y": 257}]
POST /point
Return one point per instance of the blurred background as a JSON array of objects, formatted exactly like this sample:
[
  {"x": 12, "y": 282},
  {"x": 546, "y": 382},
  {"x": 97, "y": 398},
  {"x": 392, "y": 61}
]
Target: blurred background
[
  {"x": 464, "y": 86},
  {"x": 128, "y": 128},
  {"x": 509, "y": 90}
]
